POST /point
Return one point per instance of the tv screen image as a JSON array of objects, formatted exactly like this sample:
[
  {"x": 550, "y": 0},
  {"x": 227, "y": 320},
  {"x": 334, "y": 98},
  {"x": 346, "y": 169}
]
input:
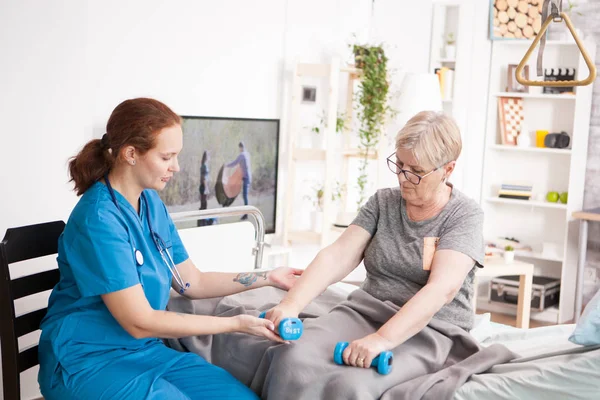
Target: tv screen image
[{"x": 226, "y": 162}]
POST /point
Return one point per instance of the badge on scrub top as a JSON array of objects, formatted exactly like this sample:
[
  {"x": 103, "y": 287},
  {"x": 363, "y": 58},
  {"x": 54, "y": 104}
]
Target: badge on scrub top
[{"x": 139, "y": 258}]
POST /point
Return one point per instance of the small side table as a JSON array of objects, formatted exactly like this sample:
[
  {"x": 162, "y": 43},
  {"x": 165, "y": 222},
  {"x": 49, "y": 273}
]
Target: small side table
[
  {"x": 584, "y": 216},
  {"x": 496, "y": 266}
]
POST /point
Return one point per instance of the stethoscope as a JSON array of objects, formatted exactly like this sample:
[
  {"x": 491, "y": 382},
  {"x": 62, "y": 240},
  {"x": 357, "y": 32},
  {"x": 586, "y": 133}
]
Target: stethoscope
[{"x": 158, "y": 242}]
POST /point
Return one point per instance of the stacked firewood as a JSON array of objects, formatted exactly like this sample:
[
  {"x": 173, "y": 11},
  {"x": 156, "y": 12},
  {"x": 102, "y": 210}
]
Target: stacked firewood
[{"x": 517, "y": 18}]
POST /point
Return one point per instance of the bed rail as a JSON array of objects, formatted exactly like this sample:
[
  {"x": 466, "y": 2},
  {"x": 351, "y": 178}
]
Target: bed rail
[{"x": 259, "y": 225}]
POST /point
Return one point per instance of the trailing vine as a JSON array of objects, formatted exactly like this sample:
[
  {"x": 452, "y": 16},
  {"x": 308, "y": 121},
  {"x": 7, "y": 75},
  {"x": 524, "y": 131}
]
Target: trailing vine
[{"x": 372, "y": 106}]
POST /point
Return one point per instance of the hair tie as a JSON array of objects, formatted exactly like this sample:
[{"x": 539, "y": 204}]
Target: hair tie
[{"x": 104, "y": 142}]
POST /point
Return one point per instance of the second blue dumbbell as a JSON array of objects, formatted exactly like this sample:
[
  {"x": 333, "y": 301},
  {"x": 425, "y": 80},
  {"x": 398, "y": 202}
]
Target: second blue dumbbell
[
  {"x": 289, "y": 328},
  {"x": 383, "y": 362}
]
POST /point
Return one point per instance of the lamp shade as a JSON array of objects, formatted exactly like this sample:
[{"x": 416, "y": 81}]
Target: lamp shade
[{"x": 418, "y": 92}]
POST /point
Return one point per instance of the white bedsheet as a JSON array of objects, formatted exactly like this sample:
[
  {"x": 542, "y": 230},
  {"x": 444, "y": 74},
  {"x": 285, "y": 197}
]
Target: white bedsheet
[{"x": 550, "y": 367}]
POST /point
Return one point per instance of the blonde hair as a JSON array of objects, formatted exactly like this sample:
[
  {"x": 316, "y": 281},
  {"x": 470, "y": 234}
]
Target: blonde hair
[{"x": 433, "y": 137}]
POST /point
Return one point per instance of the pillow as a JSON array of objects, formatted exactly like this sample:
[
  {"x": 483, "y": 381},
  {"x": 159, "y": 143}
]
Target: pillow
[{"x": 587, "y": 331}]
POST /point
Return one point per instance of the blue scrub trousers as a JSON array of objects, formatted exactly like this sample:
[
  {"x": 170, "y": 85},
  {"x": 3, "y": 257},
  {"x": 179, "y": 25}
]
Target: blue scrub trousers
[{"x": 156, "y": 373}]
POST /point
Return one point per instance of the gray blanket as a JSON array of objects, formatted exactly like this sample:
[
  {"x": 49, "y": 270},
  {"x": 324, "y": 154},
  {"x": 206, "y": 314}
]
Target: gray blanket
[{"x": 430, "y": 365}]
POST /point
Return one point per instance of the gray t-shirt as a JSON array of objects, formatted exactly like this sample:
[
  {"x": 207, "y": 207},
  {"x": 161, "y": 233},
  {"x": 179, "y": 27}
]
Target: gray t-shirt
[{"x": 396, "y": 268}]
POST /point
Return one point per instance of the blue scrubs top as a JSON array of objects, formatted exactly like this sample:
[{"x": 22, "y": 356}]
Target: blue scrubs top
[{"x": 96, "y": 256}]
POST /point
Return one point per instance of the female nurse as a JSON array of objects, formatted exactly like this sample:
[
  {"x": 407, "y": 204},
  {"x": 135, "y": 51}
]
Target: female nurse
[{"x": 118, "y": 256}]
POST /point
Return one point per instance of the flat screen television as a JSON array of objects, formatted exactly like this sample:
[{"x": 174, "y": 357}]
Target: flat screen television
[{"x": 226, "y": 162}]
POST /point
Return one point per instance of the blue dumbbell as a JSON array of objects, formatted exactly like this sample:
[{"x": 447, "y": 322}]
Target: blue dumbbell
[
  {"x": 383, "y": 361},
  {"x": 289, "y": 328}
]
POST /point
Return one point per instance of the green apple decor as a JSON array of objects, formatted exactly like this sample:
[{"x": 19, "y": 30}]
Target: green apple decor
[
  {"x": 552, "y": 197},
  {"x": 564, "y": 197}
]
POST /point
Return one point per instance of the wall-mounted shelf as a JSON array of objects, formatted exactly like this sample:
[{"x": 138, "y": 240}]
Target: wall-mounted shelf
[
  {"x": 301, "y": 154},
  {"x": 527, "y": 203},
  {"x": 536, "y": 256},
  {"x": 522, "y": 42},
  {"x": 373, "y": 155},
  {"x": 541, "y": 150},
  {"x": 535, "y": 95}
]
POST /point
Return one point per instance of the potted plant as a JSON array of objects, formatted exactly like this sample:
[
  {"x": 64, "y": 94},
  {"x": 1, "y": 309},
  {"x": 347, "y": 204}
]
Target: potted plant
[
  {"x": 372, "y": 105},
  {"x": 316, "y": 197},
  {"x": 509, "y": 254},
  {"x": 450, "y": 48},
  {"x": 340, "y": 124}
]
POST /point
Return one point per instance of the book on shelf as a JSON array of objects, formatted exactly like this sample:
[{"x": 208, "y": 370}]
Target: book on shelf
[
  {"x": 446, "y": 78},
  {"x": 514, "y": 196},
  {"x": 515, "y": 190}
]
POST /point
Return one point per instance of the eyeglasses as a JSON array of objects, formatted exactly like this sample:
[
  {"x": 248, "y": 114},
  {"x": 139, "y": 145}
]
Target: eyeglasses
[{"x": 410, "y": 176}]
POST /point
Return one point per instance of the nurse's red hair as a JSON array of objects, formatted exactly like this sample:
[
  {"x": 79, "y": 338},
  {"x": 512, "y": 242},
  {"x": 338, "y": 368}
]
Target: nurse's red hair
[{"x": 134, "y": 122}]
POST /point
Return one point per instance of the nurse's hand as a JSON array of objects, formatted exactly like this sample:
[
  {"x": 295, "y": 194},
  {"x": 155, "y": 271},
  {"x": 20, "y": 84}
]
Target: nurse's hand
[
  {"x": 284, "y": 277},
  {"x": 257, "y": 327}
]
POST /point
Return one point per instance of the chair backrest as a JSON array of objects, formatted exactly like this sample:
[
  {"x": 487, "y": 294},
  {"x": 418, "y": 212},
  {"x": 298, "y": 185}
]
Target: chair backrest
[{"x": 20, "y": 244}]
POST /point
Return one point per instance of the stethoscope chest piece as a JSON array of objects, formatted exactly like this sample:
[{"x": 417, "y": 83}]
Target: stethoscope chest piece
[{"x": 139, "y": 258}]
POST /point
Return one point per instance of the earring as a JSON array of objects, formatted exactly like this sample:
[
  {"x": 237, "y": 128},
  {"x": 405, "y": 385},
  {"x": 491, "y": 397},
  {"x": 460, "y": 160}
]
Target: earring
[{"x": 132, "y": 162}]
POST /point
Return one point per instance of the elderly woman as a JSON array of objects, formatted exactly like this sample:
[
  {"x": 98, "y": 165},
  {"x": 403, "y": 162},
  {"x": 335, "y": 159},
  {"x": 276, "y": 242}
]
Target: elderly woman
[{"x": 420, "y": 243}]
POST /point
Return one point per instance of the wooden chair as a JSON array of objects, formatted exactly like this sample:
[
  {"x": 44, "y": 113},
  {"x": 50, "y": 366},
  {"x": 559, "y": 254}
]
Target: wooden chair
[{"x": 20, "y": 244}]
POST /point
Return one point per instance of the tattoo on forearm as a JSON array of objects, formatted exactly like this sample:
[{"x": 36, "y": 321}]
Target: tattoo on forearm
[{"x": 248, "y": 278}]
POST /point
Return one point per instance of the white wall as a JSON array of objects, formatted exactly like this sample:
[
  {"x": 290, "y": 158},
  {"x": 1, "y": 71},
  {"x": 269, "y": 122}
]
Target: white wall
[{"x": 67, "y": 63}]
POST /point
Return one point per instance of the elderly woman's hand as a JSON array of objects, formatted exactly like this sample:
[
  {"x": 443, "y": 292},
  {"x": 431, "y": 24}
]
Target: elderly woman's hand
[{"x": 361, "y": 352}]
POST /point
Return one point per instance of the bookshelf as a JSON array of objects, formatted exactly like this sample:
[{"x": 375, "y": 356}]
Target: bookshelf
[{"x": 537, "y": 222}]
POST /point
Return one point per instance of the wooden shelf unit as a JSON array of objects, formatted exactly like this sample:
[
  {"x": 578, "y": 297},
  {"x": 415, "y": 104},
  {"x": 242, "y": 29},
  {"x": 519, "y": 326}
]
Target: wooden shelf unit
[{"x": 327, "y": 155}]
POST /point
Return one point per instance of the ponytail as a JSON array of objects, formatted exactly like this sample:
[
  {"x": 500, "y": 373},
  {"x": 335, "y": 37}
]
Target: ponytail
[
  {"x": 134, "y": 122},
  {"x": 90, "y": 165}
]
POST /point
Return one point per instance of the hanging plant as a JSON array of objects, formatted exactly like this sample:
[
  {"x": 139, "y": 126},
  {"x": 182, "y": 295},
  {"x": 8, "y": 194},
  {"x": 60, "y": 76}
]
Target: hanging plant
[{"x": 372, "y": 107}]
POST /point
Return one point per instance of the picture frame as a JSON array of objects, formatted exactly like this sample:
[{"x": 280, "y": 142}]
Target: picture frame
[
  {"x": 510, "y": 118},
  {"x": 309, "y": 94},
  {"x": 226, "y": 162},
  {"x": 515, "y": 19},
  {"x": 512, "y": 85}
]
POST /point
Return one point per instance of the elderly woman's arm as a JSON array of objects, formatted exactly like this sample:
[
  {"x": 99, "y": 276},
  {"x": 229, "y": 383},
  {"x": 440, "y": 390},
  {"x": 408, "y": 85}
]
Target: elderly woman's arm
[
  {"x": 330, "y": 265},
  {"x": 448, "y": 272}
]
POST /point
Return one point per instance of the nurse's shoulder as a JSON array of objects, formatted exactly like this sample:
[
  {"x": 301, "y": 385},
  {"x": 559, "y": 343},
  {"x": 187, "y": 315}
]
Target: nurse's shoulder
[{"x": 95, "y": 210}]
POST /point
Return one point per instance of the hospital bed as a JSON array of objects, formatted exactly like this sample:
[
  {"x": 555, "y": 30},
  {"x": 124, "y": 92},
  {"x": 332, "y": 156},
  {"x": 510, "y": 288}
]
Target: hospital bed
[{"x": 548, "y": 366}]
